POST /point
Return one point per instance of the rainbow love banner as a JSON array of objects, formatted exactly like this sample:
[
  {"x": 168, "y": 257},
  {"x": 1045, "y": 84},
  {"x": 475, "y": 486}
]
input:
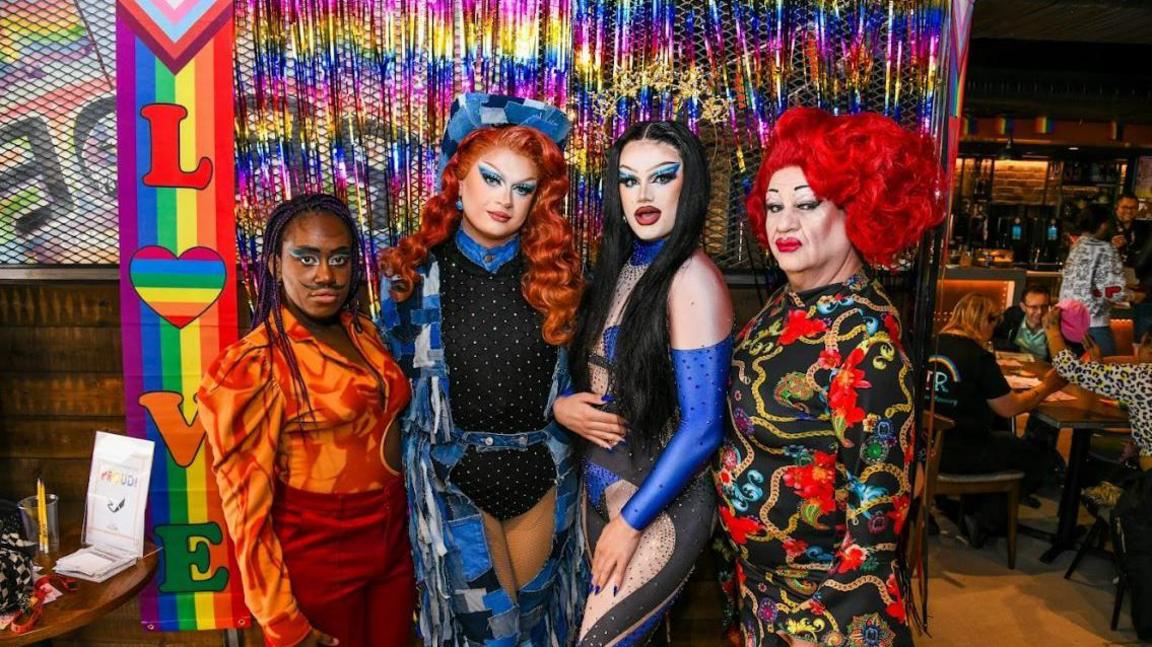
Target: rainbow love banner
[{"x": 178, "y": 286}]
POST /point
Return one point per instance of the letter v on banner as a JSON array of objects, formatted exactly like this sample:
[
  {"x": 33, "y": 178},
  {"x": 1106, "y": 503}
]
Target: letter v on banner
[{"x": 178, "y": 300}]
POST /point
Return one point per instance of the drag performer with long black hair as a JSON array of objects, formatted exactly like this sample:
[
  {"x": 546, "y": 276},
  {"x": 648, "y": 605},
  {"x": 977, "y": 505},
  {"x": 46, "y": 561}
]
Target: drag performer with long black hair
[{"x": 654, "y": 343}]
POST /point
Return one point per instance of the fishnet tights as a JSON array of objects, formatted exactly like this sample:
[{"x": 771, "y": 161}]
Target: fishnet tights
[{"x": 521, "y": 545}]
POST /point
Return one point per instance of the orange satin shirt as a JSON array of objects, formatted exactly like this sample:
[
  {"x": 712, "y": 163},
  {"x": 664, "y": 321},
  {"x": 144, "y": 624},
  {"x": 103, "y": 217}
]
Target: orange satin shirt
[{"x": 261, "y": 432}]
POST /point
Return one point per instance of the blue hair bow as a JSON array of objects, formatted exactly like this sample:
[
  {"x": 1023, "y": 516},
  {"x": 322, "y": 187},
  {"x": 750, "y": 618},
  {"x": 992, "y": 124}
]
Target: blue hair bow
[{"x": 474, "y": 110}]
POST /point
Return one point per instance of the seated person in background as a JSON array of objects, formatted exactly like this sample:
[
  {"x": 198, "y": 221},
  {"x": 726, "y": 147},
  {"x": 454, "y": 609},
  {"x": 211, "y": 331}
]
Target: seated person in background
[
  {"x": 1127, "y": 238},
  {"x": 1128, "y": 382},
  {"x": 1021, "y": 329},
  {"x": 969, "y": 388}
]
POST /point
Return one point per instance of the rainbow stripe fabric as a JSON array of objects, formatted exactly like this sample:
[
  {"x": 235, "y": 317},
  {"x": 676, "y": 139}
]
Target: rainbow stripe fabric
[
  {"x": 57, "y": 35},
  {"x": 178, "y": 309},
  {"x": 179, "y": 290}
]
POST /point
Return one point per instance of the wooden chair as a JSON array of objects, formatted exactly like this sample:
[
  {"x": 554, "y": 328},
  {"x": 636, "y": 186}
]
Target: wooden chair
[
  {"x": 1004, "y": 482},
  {"x": 922, "y": 494}
]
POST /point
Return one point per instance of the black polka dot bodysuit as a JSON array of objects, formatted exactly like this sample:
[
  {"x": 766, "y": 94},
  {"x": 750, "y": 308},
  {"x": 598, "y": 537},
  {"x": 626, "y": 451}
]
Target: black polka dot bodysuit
[{"x": 501, "y": 370}]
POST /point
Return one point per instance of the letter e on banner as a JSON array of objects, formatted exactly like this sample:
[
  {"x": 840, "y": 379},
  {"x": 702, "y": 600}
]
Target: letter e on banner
[{"x": 187, "y": 558}]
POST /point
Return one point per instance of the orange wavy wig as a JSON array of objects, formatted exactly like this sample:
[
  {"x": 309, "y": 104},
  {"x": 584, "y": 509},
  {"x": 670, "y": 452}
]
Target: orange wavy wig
[{"x": 553, "y": 281}]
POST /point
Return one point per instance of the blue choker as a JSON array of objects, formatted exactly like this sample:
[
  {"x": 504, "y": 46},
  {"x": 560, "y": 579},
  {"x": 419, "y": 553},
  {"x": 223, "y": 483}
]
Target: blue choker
[{"x": 645, "y": 251}]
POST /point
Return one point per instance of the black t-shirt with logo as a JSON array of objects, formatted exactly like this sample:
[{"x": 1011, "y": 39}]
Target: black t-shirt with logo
[{"x": 963, "y": 375}]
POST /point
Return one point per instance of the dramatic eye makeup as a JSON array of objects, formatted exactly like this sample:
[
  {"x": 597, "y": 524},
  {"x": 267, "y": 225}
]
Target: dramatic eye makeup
[
  {"x": 628, "y": 180},
  {"x": 804, "y": 199},
  {"x": 524, "y": 188},
  {"x": 490, "y": 175},
  {"x": 306, "y": 255},
  {"x": 665, "y": 173},
  {"x": 310, "y": 256}
]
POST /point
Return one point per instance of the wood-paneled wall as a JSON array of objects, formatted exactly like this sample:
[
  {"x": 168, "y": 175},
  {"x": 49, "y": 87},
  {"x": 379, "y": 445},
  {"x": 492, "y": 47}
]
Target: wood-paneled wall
[{"x": 61, "y": 381}]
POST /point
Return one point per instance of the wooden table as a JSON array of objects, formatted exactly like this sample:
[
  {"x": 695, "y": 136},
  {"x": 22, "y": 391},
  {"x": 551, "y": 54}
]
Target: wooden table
[
  {"x": 88, "y": 603},
  {"x": 1083, "y": 415}
]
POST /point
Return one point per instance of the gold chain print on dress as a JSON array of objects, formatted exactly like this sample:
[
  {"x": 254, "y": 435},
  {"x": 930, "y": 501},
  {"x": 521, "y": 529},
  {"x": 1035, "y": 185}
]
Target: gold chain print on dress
[{"x": 813, "y": 477}]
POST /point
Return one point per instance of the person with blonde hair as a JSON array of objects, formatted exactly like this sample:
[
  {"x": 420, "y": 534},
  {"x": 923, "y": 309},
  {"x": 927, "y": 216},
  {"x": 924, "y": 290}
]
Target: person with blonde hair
[{"x": 968, "y": 387}]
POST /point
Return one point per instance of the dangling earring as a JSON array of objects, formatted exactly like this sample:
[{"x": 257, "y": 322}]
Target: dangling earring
[{"x": 459, "y": 204}]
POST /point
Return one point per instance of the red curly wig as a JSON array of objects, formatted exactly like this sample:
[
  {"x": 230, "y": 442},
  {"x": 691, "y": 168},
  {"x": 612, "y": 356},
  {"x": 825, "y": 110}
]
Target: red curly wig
[
  {"x": 553, "y": 282},
  {"x": 885, "y": 178}
]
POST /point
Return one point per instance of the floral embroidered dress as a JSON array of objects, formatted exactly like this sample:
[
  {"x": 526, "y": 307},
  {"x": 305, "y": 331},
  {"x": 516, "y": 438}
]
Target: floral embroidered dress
[{"x": 814, "y": 474}]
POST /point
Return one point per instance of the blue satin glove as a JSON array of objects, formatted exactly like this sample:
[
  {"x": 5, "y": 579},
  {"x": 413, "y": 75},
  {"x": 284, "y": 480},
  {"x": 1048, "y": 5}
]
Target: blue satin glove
[{"x": 701, "y": 390}]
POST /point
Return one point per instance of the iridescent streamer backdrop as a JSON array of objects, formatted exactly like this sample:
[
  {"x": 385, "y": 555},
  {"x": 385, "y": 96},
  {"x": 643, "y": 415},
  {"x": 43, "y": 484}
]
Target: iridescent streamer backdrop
[{"x": 351, "y": 96}]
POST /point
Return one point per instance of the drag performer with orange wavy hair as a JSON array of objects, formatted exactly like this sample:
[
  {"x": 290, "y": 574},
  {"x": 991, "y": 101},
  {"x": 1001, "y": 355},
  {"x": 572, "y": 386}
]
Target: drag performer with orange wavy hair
[{"x": 485, "y": 293}]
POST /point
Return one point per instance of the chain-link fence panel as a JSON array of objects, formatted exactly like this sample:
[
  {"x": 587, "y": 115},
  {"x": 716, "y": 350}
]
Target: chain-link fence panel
[{"x": 57, "y": 132}]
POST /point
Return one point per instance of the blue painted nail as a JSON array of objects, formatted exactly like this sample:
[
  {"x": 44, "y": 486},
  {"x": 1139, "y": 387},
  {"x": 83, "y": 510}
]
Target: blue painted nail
[
  {"x": 597, "y": 591},
  {"x": 615, "y": 590}
]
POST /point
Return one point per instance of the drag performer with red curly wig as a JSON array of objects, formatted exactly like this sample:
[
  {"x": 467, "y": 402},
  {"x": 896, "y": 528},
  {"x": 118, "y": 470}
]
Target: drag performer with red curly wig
[
  {"x": 814, "y": 476},
  {"x": 484, "y": 295}
]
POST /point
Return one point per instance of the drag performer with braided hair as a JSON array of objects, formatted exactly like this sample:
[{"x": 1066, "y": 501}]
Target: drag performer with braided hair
[
  {"x": 484, "y": 296},
  {"x": 654, "y": 344},
  {"x": 814, "y": 475},
  {"x": 299, "y": 414}
]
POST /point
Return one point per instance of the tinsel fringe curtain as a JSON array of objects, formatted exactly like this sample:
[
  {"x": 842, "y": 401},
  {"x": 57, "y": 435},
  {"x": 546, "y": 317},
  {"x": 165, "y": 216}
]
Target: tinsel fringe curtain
[{"x": 351, "y": 96}]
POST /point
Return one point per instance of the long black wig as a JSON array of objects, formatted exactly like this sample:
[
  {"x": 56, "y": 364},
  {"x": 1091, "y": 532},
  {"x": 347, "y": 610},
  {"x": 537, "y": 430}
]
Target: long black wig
[{"x": 643, "y": 382}]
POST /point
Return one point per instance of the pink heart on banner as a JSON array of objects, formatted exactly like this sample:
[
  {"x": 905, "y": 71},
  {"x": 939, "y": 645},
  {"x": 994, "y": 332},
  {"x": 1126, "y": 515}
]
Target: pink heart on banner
[{"x": 175, "y": 30}]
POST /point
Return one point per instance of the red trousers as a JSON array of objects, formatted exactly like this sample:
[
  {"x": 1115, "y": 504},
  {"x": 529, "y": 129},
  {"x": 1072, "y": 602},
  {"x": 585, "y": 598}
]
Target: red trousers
[{"x": 349, "y": 561}]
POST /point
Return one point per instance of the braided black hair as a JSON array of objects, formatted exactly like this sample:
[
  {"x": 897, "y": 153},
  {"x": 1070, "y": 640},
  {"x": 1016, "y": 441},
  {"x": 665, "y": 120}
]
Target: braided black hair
[{"x": 269, "y": 303}]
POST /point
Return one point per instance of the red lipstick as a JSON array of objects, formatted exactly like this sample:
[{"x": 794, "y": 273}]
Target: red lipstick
[
  {"x": 646, "y": 216},
  {"x": 500, "y": 216},
  {"x": 786, "y": 245}
]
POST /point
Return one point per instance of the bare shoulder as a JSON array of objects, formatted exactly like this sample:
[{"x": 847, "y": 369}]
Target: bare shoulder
[
  {"x": 699, "y": 306},
  {"x": 698, "y": 275}
]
